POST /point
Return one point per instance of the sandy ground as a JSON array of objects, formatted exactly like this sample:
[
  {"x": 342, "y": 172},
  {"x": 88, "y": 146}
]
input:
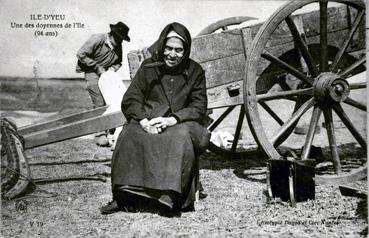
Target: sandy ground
[{"x": 235, "y": 204}]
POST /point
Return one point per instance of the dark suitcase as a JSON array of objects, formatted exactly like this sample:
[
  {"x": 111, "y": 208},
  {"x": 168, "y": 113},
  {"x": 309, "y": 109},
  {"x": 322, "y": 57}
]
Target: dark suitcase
[{"x": 291, "y": 180}]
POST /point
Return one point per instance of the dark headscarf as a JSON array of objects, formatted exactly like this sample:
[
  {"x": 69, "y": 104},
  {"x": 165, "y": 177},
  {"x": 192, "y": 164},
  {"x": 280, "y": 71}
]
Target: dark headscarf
[{"x": 157, "y": 49}]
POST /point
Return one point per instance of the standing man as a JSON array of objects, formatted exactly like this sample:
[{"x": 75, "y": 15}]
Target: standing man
[{"x": 101, "y": 52}]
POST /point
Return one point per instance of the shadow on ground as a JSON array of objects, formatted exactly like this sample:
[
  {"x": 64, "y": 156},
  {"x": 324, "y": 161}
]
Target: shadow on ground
[{"x": 252, "y": 165}]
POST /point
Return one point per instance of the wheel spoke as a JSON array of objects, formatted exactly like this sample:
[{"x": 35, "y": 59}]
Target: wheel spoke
[
  {"x": 284, "y": 130},
  {"x": 350, "y": 126},
  {"x": 346, "y": 72},
  {"x": 339, "y": 54},
  {"x": 271, "y": 112},
  {"x": 221, "y": 118},
  {"x": 238, "y": 129},
  {"x": 284, "y": 94},
  {"x": 301, "y": 44},
  {"x": 311, "y": 132},
  {"x": 354, "y": 103},
  {"x": 332, "y": 140},
  {"x": 357, "y": 85},
  {"x": 288, "y": 68},
  {"x": 323, "y": 36},
  {"x": 283, "y": 84}
]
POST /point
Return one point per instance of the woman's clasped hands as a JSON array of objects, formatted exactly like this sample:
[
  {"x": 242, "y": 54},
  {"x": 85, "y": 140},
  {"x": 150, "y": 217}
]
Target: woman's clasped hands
[{"x": 158, "y": 124}]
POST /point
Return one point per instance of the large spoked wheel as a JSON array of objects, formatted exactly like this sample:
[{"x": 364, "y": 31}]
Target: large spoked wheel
[
  {"x": 224, "y": 24},
  {"x": 326, "y": 86},
  {"x": 233, "y": 129},
  {"x": 15, "y": 170}
]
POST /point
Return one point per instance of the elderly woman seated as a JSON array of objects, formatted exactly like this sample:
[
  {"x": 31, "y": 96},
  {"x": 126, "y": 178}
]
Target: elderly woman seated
[{"x": 154, "y": 162}]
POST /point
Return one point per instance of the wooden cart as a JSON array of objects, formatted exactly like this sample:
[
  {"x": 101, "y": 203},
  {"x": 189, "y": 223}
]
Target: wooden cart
[{"x": 297, "y": 64}]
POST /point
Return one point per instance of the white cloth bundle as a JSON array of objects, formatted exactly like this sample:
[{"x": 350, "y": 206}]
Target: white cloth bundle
[
  {"x": 222, "y": 138},
  {"x": 112, "y": 89}
]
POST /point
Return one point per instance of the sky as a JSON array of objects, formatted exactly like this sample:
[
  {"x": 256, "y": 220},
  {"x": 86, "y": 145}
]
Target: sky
[{"x": 27, "y": 53}]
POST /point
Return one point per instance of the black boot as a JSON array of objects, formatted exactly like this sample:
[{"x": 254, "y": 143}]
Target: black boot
[{"x": 111, "y": 207}]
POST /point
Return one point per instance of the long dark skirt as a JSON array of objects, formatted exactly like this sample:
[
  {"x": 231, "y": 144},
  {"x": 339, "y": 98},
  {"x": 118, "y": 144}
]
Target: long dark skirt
[{"x": 159, "y": 166}]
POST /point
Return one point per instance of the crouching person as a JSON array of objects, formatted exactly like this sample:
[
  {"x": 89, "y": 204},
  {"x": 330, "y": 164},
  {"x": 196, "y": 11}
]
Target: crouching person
[{"x": 154, "y": 162}]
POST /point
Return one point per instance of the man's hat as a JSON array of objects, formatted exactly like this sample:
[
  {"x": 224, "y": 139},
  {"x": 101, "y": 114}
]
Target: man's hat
[{"x": 121, "y": 30}]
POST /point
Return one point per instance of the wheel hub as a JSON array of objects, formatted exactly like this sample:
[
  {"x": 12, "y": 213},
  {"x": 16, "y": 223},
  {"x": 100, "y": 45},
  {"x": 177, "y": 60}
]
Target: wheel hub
[{"x": 329, "y": 87}]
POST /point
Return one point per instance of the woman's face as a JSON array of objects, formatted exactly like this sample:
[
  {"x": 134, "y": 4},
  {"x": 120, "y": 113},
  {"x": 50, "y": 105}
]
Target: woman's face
[{"x": 173, "y": 52}]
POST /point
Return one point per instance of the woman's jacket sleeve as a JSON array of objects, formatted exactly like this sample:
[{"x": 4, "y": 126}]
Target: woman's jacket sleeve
[{"x": 133, "y": 100}]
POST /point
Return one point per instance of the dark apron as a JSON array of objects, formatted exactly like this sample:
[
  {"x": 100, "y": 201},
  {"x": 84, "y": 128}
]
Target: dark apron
[{"x": 163, "y": 161}]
